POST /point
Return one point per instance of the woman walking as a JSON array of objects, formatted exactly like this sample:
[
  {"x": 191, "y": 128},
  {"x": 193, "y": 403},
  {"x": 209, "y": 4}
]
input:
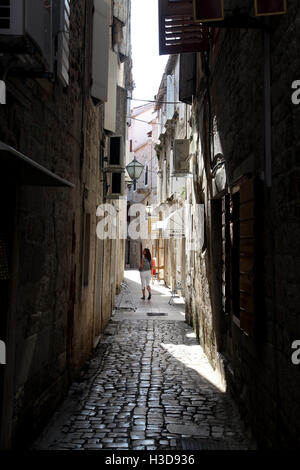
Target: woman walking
[{"x": 145, "y": 272}]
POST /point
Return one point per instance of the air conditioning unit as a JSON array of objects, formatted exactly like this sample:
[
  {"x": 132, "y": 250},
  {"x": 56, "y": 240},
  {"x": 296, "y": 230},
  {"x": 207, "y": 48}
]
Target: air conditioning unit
[
  {"x": 116, "y": 152},
  {"x": 26, "y": 36},
  {"x": 181, "y": 157},
  {"x": 116, "y": 184}
]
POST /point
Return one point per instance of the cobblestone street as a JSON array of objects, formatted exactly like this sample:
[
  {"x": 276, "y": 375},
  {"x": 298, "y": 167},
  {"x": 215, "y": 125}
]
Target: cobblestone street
[{"x": 148, "y": 386}]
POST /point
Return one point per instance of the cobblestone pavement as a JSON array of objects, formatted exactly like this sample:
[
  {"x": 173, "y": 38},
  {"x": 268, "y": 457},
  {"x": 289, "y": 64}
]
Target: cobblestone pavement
[{"x": 148, "y": 385}]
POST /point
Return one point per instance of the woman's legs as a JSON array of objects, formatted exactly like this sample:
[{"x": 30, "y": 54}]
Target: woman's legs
[
  {"x": 148, "y": 280},
  {"x": 149, "y": 290},
  {"x": 143, "y": 282}
]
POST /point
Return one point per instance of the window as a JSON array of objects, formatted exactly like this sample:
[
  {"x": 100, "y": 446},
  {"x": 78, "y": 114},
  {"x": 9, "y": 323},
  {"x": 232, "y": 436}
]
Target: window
[
  {"x": 5, "y": 14},
  {"x": 115, "y": 151},
  {"x": 32, "y": 21},
  {"x": 116, "y": 183},
  {"x": 170, "y": 108},
  {"x": 164, "y": 182},
  {"x": 187, "y": 77},
  {"x": 146, "y": 176}
]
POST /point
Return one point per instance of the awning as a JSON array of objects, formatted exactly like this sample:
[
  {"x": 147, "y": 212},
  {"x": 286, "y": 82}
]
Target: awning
[{"x": 30, "y": 172}]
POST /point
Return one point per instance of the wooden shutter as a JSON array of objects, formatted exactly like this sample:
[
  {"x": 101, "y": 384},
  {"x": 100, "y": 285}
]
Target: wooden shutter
[
  {"x": 187, "y": 77},
  {"x": 116, "y": 184},
  {"x": 247, "y": 257},
  {"x": 181, "y": 154},
  {"x": 178, "y": 31}
]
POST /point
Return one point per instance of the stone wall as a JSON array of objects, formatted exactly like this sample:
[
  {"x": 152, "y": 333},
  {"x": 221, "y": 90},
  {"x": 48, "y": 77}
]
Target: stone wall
[
  {"x": 258, "y": 370},
  {"x": 60, "y": 303}
]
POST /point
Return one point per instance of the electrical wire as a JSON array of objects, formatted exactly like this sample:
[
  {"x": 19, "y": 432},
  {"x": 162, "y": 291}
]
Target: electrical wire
[
  {"x": 154, "y": 101},
  {"x": 147, "y": 122},
  {"x": 150, "y": 160}
]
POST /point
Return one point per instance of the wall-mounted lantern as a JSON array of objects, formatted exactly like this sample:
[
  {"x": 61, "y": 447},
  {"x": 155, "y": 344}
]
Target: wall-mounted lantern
[{"x": 134, "y": 169}]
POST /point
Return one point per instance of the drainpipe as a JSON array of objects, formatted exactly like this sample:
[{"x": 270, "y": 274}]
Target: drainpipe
[{"x": 267, "y": 109}]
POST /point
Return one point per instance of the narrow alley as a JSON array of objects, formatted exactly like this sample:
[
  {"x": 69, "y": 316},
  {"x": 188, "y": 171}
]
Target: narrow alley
[
  {"x": 149, "y": 386},
  {"x": 149, "y": 144}
]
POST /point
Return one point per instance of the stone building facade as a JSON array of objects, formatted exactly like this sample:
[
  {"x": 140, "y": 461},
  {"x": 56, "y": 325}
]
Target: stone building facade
[
  {"x": 59, "y": 290},
  {"x": 142, "y": 137},
  {"x": 242, "y": 284},
  {"x": 172, "y": 116}
]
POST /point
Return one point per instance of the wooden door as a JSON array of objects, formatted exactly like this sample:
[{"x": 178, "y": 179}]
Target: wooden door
[{"x": 247, "y": 257}]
